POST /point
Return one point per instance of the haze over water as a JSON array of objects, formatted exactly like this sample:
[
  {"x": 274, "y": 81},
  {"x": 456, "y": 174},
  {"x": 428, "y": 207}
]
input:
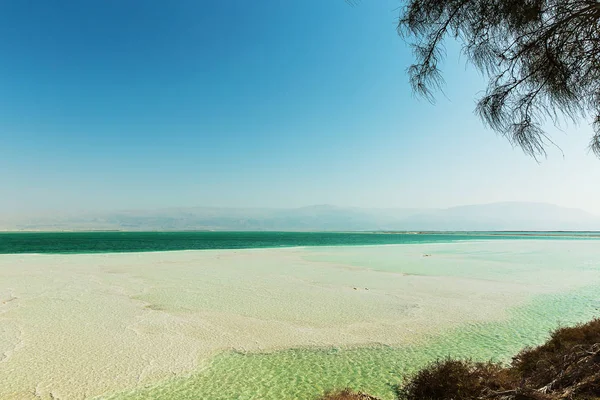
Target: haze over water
[{"x": 285, "y": 323}]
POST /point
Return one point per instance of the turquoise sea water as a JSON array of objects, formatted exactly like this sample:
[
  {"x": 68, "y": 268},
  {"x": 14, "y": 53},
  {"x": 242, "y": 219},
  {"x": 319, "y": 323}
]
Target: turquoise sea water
[{"x": 117, "y": 242}]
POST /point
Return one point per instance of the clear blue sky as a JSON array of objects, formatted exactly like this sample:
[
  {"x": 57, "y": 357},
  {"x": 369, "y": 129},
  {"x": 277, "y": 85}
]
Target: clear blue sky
[{"x": 149, "y": 104}]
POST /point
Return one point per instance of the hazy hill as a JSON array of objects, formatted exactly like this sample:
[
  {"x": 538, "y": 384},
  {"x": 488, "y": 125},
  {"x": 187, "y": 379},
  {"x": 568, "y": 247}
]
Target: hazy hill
[
  {"x": 496, "y": 216},
  {"x": 505, "y": 216}
]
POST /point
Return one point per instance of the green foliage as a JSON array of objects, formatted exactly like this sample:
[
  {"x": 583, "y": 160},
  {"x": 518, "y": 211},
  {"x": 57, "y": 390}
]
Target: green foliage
[{"x": 542, "y": 58}]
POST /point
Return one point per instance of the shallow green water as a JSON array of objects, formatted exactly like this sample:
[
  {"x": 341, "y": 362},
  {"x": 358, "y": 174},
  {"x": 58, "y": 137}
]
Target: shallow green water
[
  {"x": 113, "y": 242},
  {"x": 306, "y": 373}
]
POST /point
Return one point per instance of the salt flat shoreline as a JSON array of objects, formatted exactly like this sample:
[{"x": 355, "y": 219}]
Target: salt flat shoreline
[{"x": 79, "y": 325}]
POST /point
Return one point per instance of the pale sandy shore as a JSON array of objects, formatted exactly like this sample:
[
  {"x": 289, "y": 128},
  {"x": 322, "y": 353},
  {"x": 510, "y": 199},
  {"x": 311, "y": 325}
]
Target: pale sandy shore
[{"x": 79, "y": 326}]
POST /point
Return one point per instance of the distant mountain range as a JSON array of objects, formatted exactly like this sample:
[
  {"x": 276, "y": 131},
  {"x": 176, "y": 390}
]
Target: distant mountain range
[{"x": 507, "y": 216}]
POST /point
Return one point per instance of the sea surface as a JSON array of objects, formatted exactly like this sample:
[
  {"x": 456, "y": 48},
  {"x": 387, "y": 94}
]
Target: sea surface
[
  {"x": 116, "y": 242},
  {"x": 275, "y": 316}
]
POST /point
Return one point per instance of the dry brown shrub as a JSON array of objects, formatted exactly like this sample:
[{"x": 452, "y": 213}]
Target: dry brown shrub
[
  {"x": 347, "y": 394},
  {"x": 567, "y": 365},
  {"x": 457, "y": 380}
]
